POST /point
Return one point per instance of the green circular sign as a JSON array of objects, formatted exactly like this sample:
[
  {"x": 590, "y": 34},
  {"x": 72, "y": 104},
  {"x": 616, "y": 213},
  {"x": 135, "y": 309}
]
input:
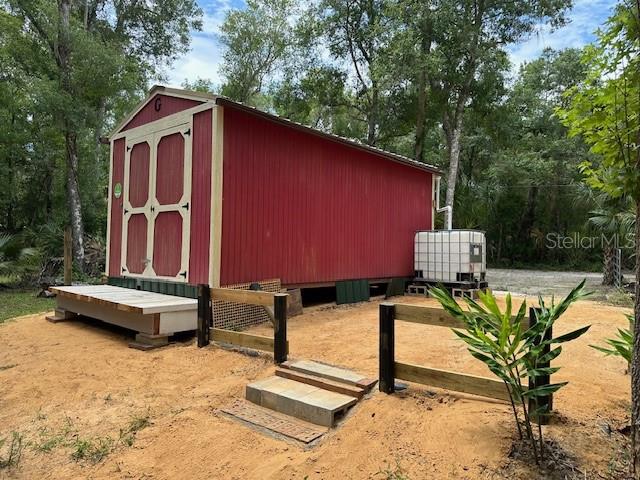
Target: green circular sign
[{"x": 117, "y": 190}]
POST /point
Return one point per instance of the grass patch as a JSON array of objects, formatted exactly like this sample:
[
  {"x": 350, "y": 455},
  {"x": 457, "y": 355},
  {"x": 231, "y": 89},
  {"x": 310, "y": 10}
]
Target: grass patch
[
  {"x": 14, "y": 452},
  {"x": 94, "y": 450},
  {"x": 137, "y": 423},
  {"x": 16, "y": 303}
]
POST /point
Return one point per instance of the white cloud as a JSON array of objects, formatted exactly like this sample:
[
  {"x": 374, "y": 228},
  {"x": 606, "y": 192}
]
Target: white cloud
[
  {"x": 205, "y": 57},
  {"x": 585, "y": 18}
]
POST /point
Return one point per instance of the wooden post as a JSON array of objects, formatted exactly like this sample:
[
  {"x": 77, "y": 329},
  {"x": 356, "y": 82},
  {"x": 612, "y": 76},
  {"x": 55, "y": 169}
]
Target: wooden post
[
  {"x": 280, "y": 328},
  {"x": 387, "y": 340},
  {"x": 68, "y": 256},
  {"x": 204, "y": 315},
  {"x": 546, "y": 401}
]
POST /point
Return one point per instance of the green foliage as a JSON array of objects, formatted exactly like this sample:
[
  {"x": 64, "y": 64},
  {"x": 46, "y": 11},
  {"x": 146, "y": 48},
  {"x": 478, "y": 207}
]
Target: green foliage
[
  {"x": 605, "y": 108},
  {"x": 15, "y": 259},
  {"x": 65, "y": 82},
  {"x": 257, "y": 40},
  {"x": 622, "y": 344},
  {"x": 512, "y": 352},
  {"x": 93, "y": 450}
]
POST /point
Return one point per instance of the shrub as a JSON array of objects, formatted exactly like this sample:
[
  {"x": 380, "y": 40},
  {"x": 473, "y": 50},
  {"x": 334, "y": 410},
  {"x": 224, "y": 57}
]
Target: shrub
[
  {"x": 513, "y": 353},
  {"x": 622, "y": 346}
]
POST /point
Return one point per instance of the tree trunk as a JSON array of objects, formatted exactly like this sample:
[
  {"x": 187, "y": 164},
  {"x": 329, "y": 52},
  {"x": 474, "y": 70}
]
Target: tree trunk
[
  {"x": 73, "y": 198},
  {"x": 635, "y": 359},
  {"x": 608, "y": 266},
  {"x": 528, "y": 217},
  {"x": 423, "y": 83},
  {"x": 453, "y": 133},
  {"x": 63, "y": 54},
  {"x": 421, "y": 116},
  {"x": 372, "y": 121}
]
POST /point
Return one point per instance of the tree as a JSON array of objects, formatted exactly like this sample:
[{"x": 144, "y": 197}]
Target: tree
[
  {"x": 82, "y": 56},
  {"x": 472, "y": 32},
  {"x": 356, "y": 33},
  {"x": 605, "y": 111},
  {"x": 614, "y": 219},
  {"x": 257, "y": 41}
]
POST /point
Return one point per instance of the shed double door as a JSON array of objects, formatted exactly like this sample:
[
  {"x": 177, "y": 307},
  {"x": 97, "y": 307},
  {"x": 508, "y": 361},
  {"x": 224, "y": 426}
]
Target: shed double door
[{"x": 157, "y": 197}]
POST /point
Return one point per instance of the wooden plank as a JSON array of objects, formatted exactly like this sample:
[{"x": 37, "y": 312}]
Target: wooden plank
[
  {"x": 241, "y": 339},
  {"x": 459, "y": 382},
  {"x": 250, "y": 297},
  {"x": 127, "y": 300},
  {"x": 321, "y": 382},
  {"x": 432, "y": 316}
]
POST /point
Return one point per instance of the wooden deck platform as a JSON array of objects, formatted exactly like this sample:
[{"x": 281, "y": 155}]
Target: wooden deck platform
[{"x": 153, "y": 315}]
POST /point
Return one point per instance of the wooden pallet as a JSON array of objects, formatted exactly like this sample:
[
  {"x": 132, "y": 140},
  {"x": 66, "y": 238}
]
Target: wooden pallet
[{"x": 274, "y": 421}]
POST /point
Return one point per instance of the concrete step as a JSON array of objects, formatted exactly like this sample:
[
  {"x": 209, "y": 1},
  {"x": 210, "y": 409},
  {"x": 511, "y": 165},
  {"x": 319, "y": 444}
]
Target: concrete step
[
  {"x": 336, "y": 374},
  {"x": 324, "y": 383},
  {"x": 306, "y": 402}
]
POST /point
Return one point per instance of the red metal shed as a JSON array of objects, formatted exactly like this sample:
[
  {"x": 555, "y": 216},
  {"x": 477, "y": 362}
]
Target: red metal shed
[{"x": 206, "y": 190}]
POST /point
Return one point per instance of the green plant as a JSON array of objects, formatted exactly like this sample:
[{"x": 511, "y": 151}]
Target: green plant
[
  {"x": 16, "y": 260},
  {"x": 137, "y": 423},
  {"x": 392, "y": 473},
  {"x": 93, "y": 450},
  {"x": 514, "y": 353},
  {"x": 622, "y": 346},
  {"x": 15, "y": 450}
]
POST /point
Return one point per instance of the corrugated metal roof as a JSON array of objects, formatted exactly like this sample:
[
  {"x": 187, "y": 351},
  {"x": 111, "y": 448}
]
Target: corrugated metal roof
[{"x": 221, "y": 100}]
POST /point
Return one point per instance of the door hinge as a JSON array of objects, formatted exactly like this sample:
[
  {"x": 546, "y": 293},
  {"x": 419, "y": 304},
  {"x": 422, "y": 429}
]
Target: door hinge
[
  {"x": 128, "y": 148},
  {"x": 183, "y": 274},
  {"x": 124, "y": 269},
  {"x": 186, "y": 206},
  {"x": 126, "y": 211},
  {"x": 188, "y": 132}
]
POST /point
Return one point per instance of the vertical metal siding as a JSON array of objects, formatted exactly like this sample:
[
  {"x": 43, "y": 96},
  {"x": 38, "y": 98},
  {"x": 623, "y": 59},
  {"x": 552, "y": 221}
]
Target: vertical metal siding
[
  {"x": 306, "y": 209},
  {"x": 168, "y": 106},
  {"x": 200, "y": 198},
  {"x": 115, "y": 237},
  {"x": 167, "y": 244},
  {"x": 170, "y": 169}
]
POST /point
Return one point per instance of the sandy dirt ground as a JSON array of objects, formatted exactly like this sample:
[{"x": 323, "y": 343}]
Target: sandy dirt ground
[{"x": 75, "y": 388}]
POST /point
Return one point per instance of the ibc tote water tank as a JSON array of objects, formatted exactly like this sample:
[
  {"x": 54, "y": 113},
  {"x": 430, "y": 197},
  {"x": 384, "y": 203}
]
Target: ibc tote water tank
[{"x": 450, "y": 256}]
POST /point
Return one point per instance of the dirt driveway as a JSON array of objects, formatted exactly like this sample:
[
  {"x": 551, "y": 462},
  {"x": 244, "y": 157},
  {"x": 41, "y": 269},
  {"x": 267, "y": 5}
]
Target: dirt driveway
[{"x": 86, "y": 406}]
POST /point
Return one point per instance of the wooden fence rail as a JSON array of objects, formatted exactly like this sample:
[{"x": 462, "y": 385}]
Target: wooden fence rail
[
  {"x": 278, "y": 344},
  {"x": 389, "y": 369},
  {"x": 435, "y": 316}
]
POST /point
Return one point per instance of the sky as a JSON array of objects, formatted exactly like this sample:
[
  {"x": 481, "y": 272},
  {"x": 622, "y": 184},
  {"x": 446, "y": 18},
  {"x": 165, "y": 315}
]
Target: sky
[{"x": 203, "y": 61}]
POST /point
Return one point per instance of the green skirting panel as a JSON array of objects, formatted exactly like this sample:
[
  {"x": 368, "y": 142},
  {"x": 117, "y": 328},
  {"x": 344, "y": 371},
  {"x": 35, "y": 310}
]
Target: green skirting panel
[
  {"x": 396, "y": 287},
  {"x": 352, "y": 291},
  {"x": 157, "y": 286}
]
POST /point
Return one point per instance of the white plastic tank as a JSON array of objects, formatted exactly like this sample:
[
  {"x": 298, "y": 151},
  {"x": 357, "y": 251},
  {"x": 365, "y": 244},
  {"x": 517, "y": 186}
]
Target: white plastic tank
[{"x": 450, "y": 256}]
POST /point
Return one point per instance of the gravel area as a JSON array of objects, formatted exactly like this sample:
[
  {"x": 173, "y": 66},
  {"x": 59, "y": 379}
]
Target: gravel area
[{"x": 535, "y": 282}]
